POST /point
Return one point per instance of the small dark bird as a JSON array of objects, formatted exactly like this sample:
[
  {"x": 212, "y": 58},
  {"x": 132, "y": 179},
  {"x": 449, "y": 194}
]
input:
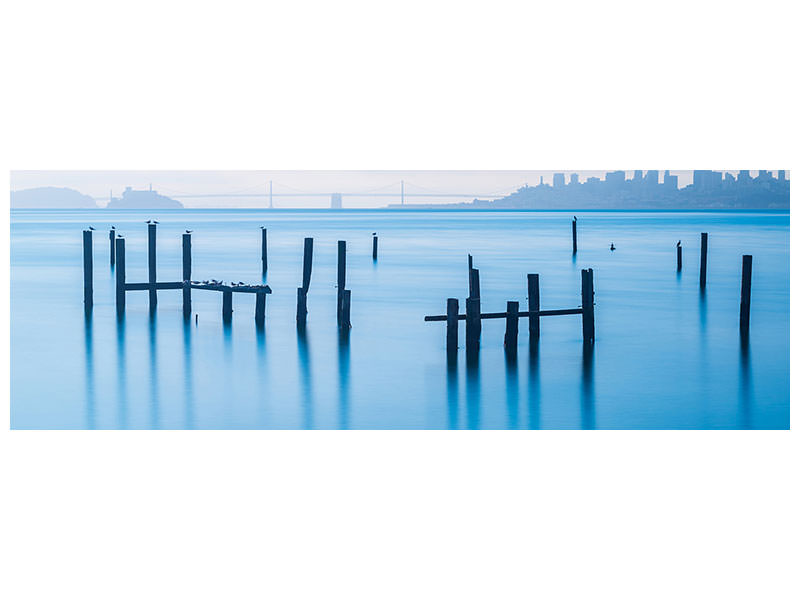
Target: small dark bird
[
  {"x": 262, "y": 227},
  {"x": 679, "y": 243},
  {"x": 112, "y": 227},
  {"x": 612, "y": 246},
  {"x": 188, "y": 231},
  {"x": 148, "y": 221},
  {"x": 91, "y": 228},
  {"x": 195, "y": 319},
  {"x": 373, "y": 233},
  {"x": 574, "y": 218}
]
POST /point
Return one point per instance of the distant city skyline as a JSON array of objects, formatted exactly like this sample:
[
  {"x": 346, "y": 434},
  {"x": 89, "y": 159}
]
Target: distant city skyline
[{"x": 373, "y": 188}]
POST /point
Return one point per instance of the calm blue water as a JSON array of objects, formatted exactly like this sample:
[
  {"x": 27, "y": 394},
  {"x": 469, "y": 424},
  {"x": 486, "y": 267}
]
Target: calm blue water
[{"x": 665, "y": 357}]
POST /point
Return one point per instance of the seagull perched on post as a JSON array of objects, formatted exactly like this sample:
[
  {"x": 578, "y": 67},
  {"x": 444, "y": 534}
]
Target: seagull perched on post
[
  {"x": 262, "y": 227},
  {"x": 91, "y": 228},
  {"x": 188, "y": 231},
  {"x": 679, "y": 243},
  {"x": 148, "y": 221},
  {"x": 112, "y": 227}
]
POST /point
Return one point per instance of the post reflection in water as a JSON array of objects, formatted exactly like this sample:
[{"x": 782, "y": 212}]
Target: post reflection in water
[
  {"x": 152, "y": 332},
  {"x": 452, "y": 390},
  {"x": 745, "y": 384},
  {"x": 534, "y": 387},
  {"x": 344, "y": 379},
  {"x": 188, "y": 375},
  {"x": 587, "y": 387},
  {"x": 122, "y": 374},
  {"x": 90, "y": 392},
  {"x": 306, "y": 388},
  {"x": 512, "y": 388},
  {"x": 261, "y": 366},
  {"x": 473, "y": 391}
]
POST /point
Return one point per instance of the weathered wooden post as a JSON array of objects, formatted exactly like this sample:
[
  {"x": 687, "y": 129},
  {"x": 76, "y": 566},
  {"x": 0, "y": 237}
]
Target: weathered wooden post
[
  {"x": 512, "y": 324},
  {"x": 112, "y": 234},
  {"x": 120, "y": 273},
  {"x": 680, "y": 257},
  {"x": 263, "y": 250},
  {"x": 533, "y": 306},
  {"x": 345, "y": 324},
  {"x": 703, "y": 259},
  {"x": 374, "y": 247},
  {"x": 187, "y": 275},
  {"x": 88, "y": 270},
  {"x": 744, "y": 307},
  {"x": 473, "y": 323},
  {"x": 261, "y": 306},
  {"x": 227, "y": 305},
  {"x": 302, "y": 309},
  {"x": 587, "y": 304},
  {"x": 475, "y": 291},
  {"x": 469, "y": 261},
  {"x": 340, "y": 278},
  {"x": 151, "y": 263},
  {"x": 308, "y": 253},
  {"x": 574, "y": 235},
  {"x": 452, "y": 325}
]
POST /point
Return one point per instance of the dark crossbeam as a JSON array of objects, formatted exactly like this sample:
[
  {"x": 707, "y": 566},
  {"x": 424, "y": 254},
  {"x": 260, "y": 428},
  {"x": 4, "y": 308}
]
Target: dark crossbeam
[
  {"x": 522, "y": 313},
  {"x": 178, "y": 285}
]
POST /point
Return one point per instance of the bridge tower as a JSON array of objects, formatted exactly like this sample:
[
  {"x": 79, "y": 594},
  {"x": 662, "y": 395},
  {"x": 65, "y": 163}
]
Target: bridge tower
[{"x": 270, "y": 193}]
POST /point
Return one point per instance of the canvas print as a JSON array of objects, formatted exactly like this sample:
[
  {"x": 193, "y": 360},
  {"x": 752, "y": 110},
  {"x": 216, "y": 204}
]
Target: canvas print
[{"x": 627, "y": 299}]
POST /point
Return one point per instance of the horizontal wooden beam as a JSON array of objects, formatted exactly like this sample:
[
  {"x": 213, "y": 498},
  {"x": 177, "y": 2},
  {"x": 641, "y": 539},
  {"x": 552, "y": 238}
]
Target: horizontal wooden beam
[
  {"x": 169, "y": 285},
  {"x": 177, "y": 285},
  {"x": 522, "y": 313}
]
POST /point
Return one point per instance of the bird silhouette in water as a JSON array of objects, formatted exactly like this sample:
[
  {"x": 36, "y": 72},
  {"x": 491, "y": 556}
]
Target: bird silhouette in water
[
  {"x": 612, "y": 246},
  {"x": 91, "y": 228}
]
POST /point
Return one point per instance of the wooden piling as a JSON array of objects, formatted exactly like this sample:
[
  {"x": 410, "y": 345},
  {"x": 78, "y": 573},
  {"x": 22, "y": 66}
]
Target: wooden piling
[
  {"x": 112, "y": 235},
  {"x": 374, "y": 247},
  {"x": 744, "y": 307},
  {"x": 475, "y": 291},
  {"x": 345, "y": 324},
  {"x": 308, "y": 253},
  {"x": 574, "y": 235},
  {"x": 680, "y": 258},
  {"x": 469, "y": 261},
  {"x": 151, "y": 263},
  {"x": 187, "y": 275},
  {"x": 261, "y": 306},
  {"x": 340, "y": 277},
  {"x": 512, "y": 324},
  {"x": 703, "y": 259},
  {"x": 263, "y": 251},
  {"x": 88, "y": 270},
  {"x": 119, "y": 244},
  {"x": 452, "y": 324},
  {"x": 302, "y": 309},
  {"x": 227, "y": 305},
  {"x": 473, "y": 323},
  {"x": 587, "y": 304},
  {"x": 533, "y": 306}
]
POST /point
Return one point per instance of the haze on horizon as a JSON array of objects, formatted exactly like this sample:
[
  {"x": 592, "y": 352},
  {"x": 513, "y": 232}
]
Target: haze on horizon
[{"x": 377, "y": 187}]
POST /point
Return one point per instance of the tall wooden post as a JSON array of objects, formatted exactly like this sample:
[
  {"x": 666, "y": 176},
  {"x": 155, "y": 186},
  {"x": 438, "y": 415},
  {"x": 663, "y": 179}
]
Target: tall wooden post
[
  {"x": 308, "y": 254},
  {"x": 345, "y": 324},
  {"x": 534, "y": 306},
  {"x": 469, "y": 261},
  {"x": 512, "y": 324},
  {"x": 475, "y": 291},
  {"x": 703, "y": 259},
  {"x": 88, "y": 270},
  {"x": 473, "y": 323},
  {"x": 302, "y": 309},
  {"x": 261, "y": 306},
  {"x": 680, "y": 258},
  {"x": 263, "y": 250},
  {"x": 452, "y": 325},
  {"x": 120, "y": 273},
  {"x": 187, "y": 275},
  {"x": 151, "y": 263},
  {"x": 744, "y": 307},
  {"x": 587, "y": 303},
  {"x": 340, "y": 277},
  {"x": 227, "y": 305},
  {"x": 112, "y": 234},
  {"x": 574, "y": 235},
  {"x": 374, "y": 247}
]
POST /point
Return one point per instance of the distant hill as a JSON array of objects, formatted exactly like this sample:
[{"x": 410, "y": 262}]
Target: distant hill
[
  {"x": 143, "y": 199},
  {"x": 51, "y": 197}
]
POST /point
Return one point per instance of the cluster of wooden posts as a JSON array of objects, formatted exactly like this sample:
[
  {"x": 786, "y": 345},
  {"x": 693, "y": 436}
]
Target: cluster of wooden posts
[
  {"x": 747, "y": 279},
  {"x": 473, "y": 315},
  {"x": 342, "y": 294}
]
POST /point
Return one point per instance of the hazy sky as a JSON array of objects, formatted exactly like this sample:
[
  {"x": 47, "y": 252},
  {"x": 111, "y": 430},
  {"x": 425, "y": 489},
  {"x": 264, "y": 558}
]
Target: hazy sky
[{"x": 100, "y": 184}]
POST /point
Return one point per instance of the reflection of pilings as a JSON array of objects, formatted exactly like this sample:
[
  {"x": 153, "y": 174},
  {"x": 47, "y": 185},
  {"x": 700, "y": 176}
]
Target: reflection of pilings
[
  {"x": 122, "y": 384},
  {"x": 90, "y": 395},
  {"x": 534, "y": 388},
  {"x": 188, "y": 376},
  {"x": 587, "y": 387},
  {"x": 452, "y": 390},
  {"x": 153, "y": 371},
  {"x": 304, "y": 366},
  {"x": 473, "y": 392},
  {"x": 512, "y": 389},
  {"x": 344, "y": 379},
  {"x": 745, "y": 383}
]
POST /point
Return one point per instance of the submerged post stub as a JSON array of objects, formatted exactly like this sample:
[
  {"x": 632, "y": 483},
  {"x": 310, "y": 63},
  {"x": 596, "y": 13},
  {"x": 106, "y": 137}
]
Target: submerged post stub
[
  {"x": 703, "y": 259},
  {"x": 744, "y": 306}
]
